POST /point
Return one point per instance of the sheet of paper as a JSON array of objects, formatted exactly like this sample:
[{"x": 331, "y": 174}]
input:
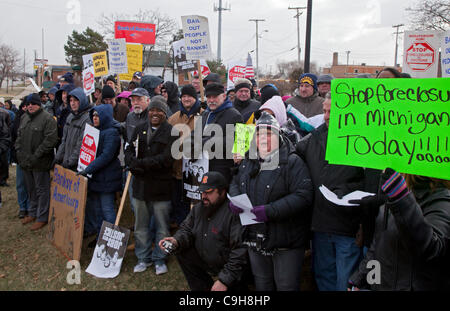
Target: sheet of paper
[
  {"x": 332, "y": 197},
  {"x": 243, "y": 202}
]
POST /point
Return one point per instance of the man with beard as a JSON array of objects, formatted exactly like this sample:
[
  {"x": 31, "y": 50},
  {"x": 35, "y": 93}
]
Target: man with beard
[{"x": 208, "y": 243}]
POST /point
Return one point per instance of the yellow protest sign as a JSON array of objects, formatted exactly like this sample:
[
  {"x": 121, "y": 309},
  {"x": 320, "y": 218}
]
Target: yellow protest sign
[
  {"x": 134, "y": 57},
  {"x": 100, "y": 64}
]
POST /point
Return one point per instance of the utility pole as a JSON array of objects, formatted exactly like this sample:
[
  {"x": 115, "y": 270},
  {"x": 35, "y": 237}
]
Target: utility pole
[
  {"x": 24, "y": 67},
  {"x": 297, "y": 16},
  {"x": 219, "y": 37},
  {"x": 257, "y": 35},
  {"x": 346, "y": 68},
  {"x": 308, "y": 36},
  {"x": 396, "y": 42}
]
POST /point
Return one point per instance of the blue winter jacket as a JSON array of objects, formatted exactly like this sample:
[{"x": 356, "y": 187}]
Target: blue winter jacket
[{"x": 105, "y": 169}]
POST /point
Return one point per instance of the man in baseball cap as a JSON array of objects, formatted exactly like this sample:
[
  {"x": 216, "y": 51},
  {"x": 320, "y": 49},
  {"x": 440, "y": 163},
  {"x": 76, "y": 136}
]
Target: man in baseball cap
[
  {"x": 200, "y": 251},
  {"x": 324, "y": 84},
  {"x": 137, "y": 76}
]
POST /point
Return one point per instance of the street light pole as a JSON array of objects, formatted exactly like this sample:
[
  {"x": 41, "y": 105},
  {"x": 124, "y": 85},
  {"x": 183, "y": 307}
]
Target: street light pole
[{"x": 257, "y": 55}]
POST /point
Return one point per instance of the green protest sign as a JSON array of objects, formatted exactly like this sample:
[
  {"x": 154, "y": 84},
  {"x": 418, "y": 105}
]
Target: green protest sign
[
  {"x": 243, "y": 137},
  {"x": 399, "y": 123}
]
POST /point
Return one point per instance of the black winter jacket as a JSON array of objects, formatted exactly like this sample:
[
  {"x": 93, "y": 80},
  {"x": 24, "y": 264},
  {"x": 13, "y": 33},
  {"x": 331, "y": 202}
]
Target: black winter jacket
[
  {"x": 326, "y": 216},
  {"x": 286, "y": 192},
  {"x": 411, "y": 243},
  {"x": 216, "y": 235},
  {"x": 36, "y": 138},
  {"x": 226, "y": 116},
  {"x": 153, "y": 176},
  {"x": 246, "y": 108}
]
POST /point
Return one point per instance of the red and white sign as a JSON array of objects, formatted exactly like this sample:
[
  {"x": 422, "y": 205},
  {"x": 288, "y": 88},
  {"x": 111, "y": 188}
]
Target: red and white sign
[
  {"x": 88, "y": 148},
  {"x": 420, "y": 57},
  {"x": 236, "y": 70},
  {"x": 205, "y": 69},
  {"x": 134, "y": 32},
  {"x": 88, "y": 81}
]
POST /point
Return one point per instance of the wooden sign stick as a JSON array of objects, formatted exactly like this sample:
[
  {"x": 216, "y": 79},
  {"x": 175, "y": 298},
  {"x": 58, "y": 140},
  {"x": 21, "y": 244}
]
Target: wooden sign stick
[
  {"x": 122, "y": 201},
  {"x": 200, "y": 75}
]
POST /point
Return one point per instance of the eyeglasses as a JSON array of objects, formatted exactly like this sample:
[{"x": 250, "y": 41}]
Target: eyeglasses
[
  {"x": 163, "y": 91},
  {"x": 95, "y": 114}
]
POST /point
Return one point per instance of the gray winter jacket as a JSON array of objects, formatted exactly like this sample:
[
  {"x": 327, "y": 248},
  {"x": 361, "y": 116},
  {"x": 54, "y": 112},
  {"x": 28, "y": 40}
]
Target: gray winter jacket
[
  {"x": 309, "y": 106},
  {"x": 69, "y": 150}
]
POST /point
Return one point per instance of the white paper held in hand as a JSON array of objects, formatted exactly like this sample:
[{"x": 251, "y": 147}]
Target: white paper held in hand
[
  {"x": 332, "y": 197},
  {"x": 243, "y": 202}
]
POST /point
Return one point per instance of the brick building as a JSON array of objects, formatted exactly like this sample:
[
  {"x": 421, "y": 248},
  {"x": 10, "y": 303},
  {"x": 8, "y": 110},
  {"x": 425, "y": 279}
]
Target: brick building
[{"x": 351, "y": 71}]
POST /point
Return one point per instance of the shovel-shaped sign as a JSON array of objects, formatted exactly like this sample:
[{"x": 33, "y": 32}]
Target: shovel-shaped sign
[{"x": 111, "y": 243}]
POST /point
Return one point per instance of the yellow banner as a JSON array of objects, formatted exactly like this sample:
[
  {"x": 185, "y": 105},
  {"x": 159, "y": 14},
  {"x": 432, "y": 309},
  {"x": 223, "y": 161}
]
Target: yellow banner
[
  {"x": 134, "y": 56},
  {"x": 100, "y": 64}
]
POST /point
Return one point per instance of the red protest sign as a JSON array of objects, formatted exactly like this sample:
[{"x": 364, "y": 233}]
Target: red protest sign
[
  {"x": 88, "y": 81},
  {"x": 88, "y": 149},
  {"x": 236, "y": 72},
  {"x": 134, "y": 32},
  {"x": 205, "y": 71}
]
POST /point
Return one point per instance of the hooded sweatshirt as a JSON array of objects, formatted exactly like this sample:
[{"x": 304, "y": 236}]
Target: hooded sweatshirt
[
  {"x": 173, "y": 100},
  {"x": 105, "y": 169},
  {"x": 69, "y": 150},
  {"x": 276, "y": 105},
  {"x": 150, "y": 83}
]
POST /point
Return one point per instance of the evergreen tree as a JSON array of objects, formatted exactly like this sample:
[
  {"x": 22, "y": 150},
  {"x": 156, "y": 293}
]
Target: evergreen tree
[{"x": 79, "y": 44}]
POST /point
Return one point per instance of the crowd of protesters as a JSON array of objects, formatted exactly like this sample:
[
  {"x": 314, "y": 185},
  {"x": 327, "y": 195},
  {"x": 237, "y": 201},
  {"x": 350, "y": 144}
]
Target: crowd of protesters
[{"x": 405, "y": 226}]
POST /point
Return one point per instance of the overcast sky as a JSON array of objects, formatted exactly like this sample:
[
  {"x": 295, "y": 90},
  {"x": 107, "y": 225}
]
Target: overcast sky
[{"x": 363, "y": 27}]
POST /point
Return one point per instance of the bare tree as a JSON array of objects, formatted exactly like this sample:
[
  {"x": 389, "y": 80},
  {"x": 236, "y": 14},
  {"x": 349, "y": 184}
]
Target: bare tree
[
  {"x": 430, "y": 14},
  {"x": 165, "y": 28},
  {"x": 293, "y": 69},
  {"x": 9, "y": 62}
]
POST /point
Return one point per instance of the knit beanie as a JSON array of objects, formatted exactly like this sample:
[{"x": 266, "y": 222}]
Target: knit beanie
[
  {"x": 267, "y": 92},
  {"x": 159, "y": 102},
  {"x": 267, "y": 120},
  {"x": 108, "y": 92},
  {"x": 241, "y": 83},
  {"x": 189, "y": 90},
  {"x": 309, "y": 78}
]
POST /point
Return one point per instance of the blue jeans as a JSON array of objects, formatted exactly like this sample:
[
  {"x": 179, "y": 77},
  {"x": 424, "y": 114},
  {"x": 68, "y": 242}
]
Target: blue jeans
[
  {"x": 99, "y": 208},
  {"x": 22, "y": 195},
  {"x": 142, "y": 233},
  {"x": 335, "y": 258}
]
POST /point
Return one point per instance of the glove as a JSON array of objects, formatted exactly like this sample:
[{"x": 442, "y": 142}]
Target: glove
[
  {"x": 372, "y": 201},
  {"x": 394, "y": 186},
  {"x": 340, "y": 193},
  {"x": 82, "y": 173},
  {"x": 234, "y": 209},
  {"x": 260, "y": 213}
]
